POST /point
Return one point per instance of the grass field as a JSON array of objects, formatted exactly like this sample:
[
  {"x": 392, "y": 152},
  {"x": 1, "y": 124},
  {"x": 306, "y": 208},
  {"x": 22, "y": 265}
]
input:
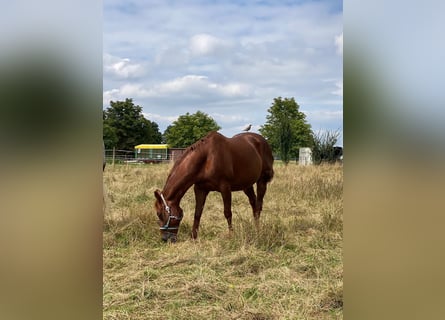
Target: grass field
[{"x": 291, "y": 268}]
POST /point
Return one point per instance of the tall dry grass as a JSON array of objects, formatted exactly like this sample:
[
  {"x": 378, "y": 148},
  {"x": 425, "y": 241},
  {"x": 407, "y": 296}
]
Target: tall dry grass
[{"x": 291, "y": 268}]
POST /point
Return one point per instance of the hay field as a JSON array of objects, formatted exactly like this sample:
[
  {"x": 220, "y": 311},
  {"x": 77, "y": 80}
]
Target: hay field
[{"x": 289, "y": 269}]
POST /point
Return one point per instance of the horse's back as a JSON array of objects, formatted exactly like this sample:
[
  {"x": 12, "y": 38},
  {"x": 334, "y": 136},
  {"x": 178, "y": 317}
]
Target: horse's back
[
  {"x": 245, "y": 149},
  {"x": 239, "y": 161},
  {"x": 257, "y": 149},
  {"x": 263, "y": 148}
]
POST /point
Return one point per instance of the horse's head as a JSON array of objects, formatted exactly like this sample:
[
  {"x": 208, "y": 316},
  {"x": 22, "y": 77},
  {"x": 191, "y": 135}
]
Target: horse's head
[{"x": 169, "y": 215}]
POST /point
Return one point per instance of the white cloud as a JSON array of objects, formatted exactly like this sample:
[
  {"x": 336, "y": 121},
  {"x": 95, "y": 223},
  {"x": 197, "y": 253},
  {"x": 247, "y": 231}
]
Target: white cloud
[
  {"x": 110, "y": 95},
  {"x": 125, "y": 91},
  {"x": 324, "y": 115},
  {"x": 205, "y": 44},
  {"x": 172, "y": 57},
  {"x": 339, "y": 90},
  {"x": 188, "y": 86},
  {"x": 157, "y": 117},
  {"x": 339, "y": 43},
  {"x": 189, "y": 83},
  {"x": 121, "y": 67},
  {"x": 338, "y": 83},
  {"x": 228, "y": 118},
  {"x": 200, "y": 85}
]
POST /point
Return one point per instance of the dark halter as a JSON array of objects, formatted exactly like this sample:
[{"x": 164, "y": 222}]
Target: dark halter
[{"x": 166, "y": 226}]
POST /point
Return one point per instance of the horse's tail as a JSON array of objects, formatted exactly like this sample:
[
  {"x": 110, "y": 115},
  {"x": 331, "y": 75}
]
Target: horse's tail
[
  {"x": 264, "y": 150},
  {"x": 268, "y": 174}
]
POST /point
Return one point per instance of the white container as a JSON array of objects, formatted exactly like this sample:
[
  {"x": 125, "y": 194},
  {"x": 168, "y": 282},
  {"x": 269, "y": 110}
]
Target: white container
[{"x": 305, "y": 156}]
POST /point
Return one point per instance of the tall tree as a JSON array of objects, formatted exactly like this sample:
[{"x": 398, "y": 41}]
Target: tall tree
[
  {"x": 286, "y": 128},
  {"x": 189, "y": 128},
  {"x": 109, "y": 136},
  {"x": 124, "y": 126}
]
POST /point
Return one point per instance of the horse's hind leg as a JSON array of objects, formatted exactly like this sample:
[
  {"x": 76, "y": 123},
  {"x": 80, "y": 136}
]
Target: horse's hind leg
[
  {"x": 227, "y": 199},
  {"x": 252, "y": 198},
  {"x": 200, "y": 197},
  {"x": 261, "y": 187}
]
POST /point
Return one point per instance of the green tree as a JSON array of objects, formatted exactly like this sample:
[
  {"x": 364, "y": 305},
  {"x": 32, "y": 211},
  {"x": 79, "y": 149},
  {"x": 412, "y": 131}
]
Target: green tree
[
  {"x": 109, "y": 136},
  {"x": 124, "y": 126},
  {"x": 286, "y": 129},
  {"x": 189, "y": 128}
]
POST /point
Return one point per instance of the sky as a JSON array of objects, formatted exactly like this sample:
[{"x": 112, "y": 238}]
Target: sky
[{"x": 229, "y": 59}]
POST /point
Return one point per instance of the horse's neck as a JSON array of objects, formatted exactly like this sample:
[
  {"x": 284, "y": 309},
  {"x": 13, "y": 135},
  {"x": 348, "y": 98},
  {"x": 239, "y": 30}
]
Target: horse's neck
[{"x": 179, "y": 181}]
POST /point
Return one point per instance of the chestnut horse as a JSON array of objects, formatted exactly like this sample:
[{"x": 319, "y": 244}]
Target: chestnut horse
[{"x": 215, "y": 163}]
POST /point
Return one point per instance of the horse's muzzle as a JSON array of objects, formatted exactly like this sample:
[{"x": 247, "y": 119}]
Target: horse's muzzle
[
  {"x": 169, "y": 231},
  {"x": 169, "y": 236}
]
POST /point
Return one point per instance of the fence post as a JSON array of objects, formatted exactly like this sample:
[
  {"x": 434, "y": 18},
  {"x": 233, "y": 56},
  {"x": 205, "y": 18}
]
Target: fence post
[{"x": 114, "y": 155}]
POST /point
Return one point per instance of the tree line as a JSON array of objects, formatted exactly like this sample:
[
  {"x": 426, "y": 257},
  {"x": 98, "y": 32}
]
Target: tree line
[{"x": 286, "y": 129}]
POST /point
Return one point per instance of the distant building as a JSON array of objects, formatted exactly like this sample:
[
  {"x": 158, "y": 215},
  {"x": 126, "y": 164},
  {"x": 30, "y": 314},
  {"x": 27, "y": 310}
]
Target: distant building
[
  {"x": 153, "y": 153},
  {"x": 175, "y": 153}
]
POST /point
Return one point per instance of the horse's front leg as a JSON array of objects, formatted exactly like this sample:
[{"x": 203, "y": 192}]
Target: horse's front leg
[
  {"x": 200, "y": 198},
  {"x": 226, "y": 193}
]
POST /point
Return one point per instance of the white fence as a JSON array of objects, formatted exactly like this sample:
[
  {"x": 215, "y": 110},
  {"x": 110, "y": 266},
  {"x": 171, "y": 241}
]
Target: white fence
[
  {"x": 112, "y": 155},
  {"x": 127, "y": 156}
]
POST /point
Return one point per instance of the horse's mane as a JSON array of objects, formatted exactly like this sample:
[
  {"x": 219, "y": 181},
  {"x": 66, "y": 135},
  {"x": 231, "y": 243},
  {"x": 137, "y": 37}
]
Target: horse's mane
[{"x": 193, "y": 148}]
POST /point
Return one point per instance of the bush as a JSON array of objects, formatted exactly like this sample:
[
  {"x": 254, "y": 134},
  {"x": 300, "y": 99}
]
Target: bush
[{"x": 324, "y": 150}]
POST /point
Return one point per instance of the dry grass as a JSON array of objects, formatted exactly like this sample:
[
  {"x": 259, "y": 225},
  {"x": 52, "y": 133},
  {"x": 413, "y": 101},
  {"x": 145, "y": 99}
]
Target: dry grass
[{"x": 289, "y": 269}]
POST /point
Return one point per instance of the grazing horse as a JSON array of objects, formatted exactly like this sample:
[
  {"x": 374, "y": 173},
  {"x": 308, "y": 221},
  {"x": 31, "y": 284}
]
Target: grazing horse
[{"x": 215, "y": 163}]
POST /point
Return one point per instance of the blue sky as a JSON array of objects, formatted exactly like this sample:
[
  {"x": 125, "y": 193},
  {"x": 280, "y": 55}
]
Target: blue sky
[{"x": 229, "y": 59}]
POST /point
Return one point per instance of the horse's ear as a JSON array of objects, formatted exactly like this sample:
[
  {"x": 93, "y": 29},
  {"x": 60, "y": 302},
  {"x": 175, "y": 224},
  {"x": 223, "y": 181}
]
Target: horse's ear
[{"x": 158, "y": 195}]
